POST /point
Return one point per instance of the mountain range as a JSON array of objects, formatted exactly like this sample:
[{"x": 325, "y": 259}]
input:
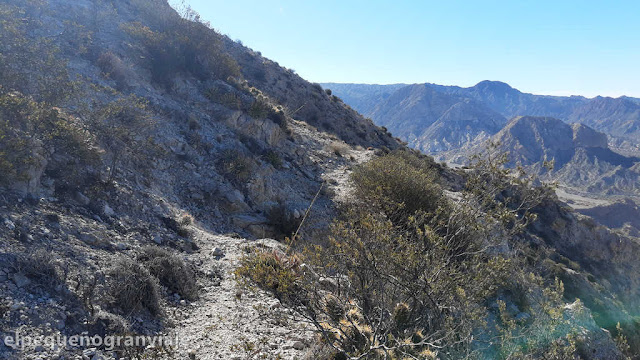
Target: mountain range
[
  {"x": 580, "y": 155},
  {"x": 594, "y": 143},
  {"x": 396, "y": 106}
]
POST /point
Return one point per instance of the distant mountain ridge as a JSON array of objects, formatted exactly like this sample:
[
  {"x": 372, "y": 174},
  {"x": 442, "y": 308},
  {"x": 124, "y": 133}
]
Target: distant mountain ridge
[
  {"x": 617, "y": 117},
  {"x": 580, "y": 155}
]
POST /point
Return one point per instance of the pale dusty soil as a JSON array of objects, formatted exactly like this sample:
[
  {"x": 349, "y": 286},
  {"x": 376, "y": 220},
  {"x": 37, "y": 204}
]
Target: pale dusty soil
[{"x": 230, "y": 321}]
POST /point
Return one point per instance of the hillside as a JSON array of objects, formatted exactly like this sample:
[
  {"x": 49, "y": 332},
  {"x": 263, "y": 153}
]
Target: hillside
[{"x": 161, "y": 181}]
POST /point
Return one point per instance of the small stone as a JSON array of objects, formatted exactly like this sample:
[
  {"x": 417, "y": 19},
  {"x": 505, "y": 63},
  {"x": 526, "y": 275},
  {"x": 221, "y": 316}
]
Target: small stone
[
  {"x": 157, "y": 239},
  {"x": 82, "y": 199},
  {"x": 217, "y": 252},
  {"x": 298, "y": 345},
  {"x": 296, "y": 214},
  {"x": 21, "y": 280},
  {"x": 108, "y": 211},
  {"x": 9, "y": 224},
  {"x": 183, "y": 302}
]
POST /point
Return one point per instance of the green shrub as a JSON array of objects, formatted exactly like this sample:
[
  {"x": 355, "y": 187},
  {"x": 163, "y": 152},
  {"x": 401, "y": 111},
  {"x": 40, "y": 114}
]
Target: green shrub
[
  {"x": 270, "y": 271},
  {"x": 171, "y": 271},
  {"x": 399, "y": 184},
  {"x": 132, "y": 288}
]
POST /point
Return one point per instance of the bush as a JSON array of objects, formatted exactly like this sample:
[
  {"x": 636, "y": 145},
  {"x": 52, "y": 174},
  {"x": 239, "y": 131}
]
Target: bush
[
  {"x": 273, "y": 158},
  {"x": 42, "y": 268},
  {"x": 236, "y": 166},
  {"x": 114, "y": 68},
  {"x": 119, "y": 125},
  {"x": 26, "y": 126},
  {"x": 171, "y": 271},
  {"x": 399, "y": 184},
  {"x": 178, "y": 45},
  {"x": 271, "y": 271},
  {"x": 132, "y": 288},
  {"x": 339, "y": 148}
]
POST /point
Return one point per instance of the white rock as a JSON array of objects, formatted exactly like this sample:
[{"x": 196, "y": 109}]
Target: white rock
[
  {"x": 108, "y": 211},
  {"x": 82, "y": 199},
  {"x": 9, "y": 224}
]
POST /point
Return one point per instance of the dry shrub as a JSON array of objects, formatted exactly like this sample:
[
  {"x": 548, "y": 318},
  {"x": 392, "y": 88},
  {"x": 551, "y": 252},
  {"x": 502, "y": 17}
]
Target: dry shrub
[
  {"x": 171, "y": 271},
  {"x": 339, "y": 148},
  {"x": 42, "y": 268},
  {"x": 271, "y": 271},
  {"x": 131, "y": 287},
  {"x": 114, "y": 68}
]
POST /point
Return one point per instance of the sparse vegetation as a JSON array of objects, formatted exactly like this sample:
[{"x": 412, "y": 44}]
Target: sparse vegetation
[
  {"x": 123, "y": 126},
  {"x": 236, "y": 166},
  {"x": 175, "y": 45},
  {"x": 171, "y": 271},
  {"x": 132, "y": 288}
]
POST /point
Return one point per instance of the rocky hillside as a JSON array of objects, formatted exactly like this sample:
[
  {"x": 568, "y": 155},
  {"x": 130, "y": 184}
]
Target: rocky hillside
[
  {"x": 160, "y": 180},
  {"x": 133, "y": 134}
]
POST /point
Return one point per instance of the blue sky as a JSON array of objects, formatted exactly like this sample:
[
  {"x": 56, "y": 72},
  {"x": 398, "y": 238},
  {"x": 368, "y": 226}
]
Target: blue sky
[{"x": 544, "y": 47}]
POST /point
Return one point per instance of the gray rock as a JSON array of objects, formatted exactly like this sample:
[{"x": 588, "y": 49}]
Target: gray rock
[
  {"x": 158, "y": 239},
  {"x": 9, "y": 224},
  {"x": 217, "y": 252},
  {"x": 81, "y": 198},
  {"x": 21, "y": 280},
  {"x": 298, "y": 345},
  {"x": 108, "y": 211}
]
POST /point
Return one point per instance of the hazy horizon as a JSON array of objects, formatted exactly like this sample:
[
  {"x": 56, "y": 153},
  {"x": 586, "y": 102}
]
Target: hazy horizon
[{"x": 548, "y": 48}]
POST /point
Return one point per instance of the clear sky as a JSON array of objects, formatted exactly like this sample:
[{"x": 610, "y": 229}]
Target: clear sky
[{"x": 560, "y": 47}]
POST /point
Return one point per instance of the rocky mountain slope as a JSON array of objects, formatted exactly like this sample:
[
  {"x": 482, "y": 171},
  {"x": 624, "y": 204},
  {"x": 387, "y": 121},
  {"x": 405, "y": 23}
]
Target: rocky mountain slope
[
  {"x": 580, "y": 155},
  {"x": 144, "y": 158},
  {"x": 126, "y": 126},
  {"x": 619, "y": 118},
  {"x": 431, "y": 121}
]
